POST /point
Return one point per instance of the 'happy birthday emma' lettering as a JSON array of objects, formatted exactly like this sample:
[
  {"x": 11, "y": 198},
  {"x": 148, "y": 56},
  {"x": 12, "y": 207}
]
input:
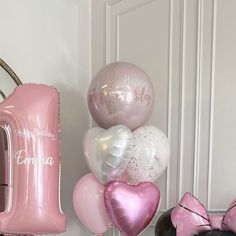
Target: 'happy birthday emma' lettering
[
  {"x": 35, "y": 132},
  {"x": 21, "y": 159}
]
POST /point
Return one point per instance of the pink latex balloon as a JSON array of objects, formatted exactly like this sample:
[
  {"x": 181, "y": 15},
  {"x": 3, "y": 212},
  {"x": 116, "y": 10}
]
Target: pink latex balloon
[
  {"x": 121, "y": 93},
  {"x": 30, "y": 119},
  {"x": 131, "y": 207},
  {"x": 89, "y": 204}
]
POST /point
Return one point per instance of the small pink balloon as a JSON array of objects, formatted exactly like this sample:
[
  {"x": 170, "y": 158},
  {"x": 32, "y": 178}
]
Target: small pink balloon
[
  {"x": 121, "y": 93},
  {"x": 89, "y": 204},
  {"x": 131, "y": 207}
]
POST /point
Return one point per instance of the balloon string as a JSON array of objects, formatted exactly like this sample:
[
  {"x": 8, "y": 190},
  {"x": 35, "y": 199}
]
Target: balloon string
[{"x": 112, "y": 231}]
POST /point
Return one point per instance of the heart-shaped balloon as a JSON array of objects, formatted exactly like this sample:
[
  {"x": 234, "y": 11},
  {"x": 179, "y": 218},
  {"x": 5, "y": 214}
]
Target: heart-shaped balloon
[
  {"x": 131, "y": 208},
  {"x": 107, "y": 151},
  {"x": 150, "y": 154}
]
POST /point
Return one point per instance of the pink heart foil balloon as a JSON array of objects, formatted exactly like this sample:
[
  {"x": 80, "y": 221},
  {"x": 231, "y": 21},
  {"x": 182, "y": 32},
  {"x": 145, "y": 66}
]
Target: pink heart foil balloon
[{"x": 131, "y": 208}]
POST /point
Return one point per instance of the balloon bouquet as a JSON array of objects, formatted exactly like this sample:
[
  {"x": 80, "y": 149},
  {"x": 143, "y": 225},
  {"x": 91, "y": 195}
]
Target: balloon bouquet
[{"x": 125, "y": 156}]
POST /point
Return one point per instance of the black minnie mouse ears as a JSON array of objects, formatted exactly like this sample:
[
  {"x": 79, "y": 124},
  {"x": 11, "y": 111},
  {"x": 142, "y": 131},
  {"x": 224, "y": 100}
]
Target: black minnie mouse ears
[{"x": 164, "y": 227}]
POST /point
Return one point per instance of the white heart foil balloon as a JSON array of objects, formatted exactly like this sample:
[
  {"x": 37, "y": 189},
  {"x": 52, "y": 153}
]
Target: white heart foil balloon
[
  {"x": 107, "y": 151},
  {"x": 149, "y": 155}
]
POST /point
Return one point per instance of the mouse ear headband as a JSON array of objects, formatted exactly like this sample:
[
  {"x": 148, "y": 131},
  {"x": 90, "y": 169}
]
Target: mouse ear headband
[{"x": 190, "y": 217}]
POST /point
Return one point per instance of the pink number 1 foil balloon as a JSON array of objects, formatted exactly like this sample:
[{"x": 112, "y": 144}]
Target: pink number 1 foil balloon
[{"x": 30, "y": 119}]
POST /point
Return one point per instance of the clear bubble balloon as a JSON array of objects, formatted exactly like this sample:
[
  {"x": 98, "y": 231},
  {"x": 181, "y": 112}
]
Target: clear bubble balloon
[{"x": 121, "y": 93}]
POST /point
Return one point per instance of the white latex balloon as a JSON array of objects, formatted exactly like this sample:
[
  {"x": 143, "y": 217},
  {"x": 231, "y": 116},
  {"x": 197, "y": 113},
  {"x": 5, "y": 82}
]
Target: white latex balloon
[
  {"x": 149, "y": 155},
  {"x": 107, "y": 151}
]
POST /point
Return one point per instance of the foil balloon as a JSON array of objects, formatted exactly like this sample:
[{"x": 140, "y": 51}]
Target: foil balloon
[
  {"x": 149, "y": 155},
  {"x": 107, "y": 151},
  {"x": 30, "y": 120},
  {"x": 89, "y": 204},
  {"x": 121, "y": 93},
  {"x": 3, "y": 149},
  {"x": 131, "y": 207}
]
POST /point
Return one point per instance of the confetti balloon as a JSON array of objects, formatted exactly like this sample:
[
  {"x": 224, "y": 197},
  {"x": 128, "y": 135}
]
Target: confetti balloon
[
  {"x": 149, "y": 155},
  {"x": 121, "y": 93}
]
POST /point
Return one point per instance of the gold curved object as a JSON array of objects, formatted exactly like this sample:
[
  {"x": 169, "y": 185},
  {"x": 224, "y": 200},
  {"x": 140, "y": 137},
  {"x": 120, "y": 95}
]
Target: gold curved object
[
  {"x": 3, "y": 185},
  {"x": 10, "y": 72},
  {"x": 2, "y": 94},
  {"x": 12, "y": 75}
]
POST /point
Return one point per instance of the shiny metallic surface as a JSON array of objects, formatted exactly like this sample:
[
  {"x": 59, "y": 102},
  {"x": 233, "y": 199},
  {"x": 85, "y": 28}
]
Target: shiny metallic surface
[
  {"x": 107, "y": 151},
  {"x": 190, "y": 217},
  {"x": 131, "y": 208},
  {"x": 30, "y": 119}
]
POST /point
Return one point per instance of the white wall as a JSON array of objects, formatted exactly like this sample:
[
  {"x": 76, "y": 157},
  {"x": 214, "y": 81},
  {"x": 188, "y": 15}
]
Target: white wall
[
  {"x": 49, "y": 42},
  {"x": 188, "y": 49}
]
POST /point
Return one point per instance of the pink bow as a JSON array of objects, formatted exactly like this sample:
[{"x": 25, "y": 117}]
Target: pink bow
[{"x": 191, "y": 217}]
